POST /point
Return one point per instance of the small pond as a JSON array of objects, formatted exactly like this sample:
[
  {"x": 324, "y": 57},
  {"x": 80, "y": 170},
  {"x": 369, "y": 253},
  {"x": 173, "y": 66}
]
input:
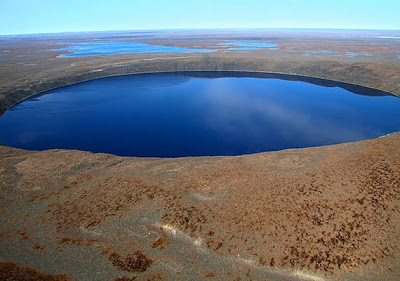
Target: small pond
[{"x": 248, "y": 46}]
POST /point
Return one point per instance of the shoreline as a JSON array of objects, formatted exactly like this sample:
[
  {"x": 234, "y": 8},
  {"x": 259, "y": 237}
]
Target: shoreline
[
  {"x": 350, "y": 88},
  {"x": 220, "y": 205},
  {"x": 180, "y": 65}
]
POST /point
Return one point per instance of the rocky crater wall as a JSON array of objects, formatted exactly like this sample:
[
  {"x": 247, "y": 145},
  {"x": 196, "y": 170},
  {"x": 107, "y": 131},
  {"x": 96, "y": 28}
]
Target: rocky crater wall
[{"x": 382, "y": 77}]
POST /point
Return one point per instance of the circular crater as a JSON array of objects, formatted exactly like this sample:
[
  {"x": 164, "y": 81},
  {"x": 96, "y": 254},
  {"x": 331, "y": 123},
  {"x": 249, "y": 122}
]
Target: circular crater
[{"x": 199, "y": 114}]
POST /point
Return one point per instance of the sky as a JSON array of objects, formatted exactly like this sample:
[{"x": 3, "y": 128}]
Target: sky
[{"x": 51, "y": 16}]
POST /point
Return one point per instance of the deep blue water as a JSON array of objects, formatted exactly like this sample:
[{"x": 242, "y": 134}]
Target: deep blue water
[
  {"x": 83, "y": 49},
  {"x": 171, "y": 115}
]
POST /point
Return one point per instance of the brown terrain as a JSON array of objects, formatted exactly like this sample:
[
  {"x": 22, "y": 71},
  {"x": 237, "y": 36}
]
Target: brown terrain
[{"x": 324, "y": 213}]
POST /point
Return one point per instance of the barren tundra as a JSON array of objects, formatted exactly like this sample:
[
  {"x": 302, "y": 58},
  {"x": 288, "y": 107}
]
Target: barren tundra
[{"x": 324, "y": 213}]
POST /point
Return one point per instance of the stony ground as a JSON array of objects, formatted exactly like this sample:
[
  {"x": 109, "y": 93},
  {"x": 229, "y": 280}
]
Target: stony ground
[{"x": 331, "y": 211}]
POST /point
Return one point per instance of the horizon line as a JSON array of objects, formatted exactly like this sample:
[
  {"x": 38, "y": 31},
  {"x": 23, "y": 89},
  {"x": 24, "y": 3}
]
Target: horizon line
[{"x": 202, "y": 29}]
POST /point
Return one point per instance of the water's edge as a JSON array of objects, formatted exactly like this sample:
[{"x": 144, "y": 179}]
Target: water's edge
[{"x": 249, "y": 69}]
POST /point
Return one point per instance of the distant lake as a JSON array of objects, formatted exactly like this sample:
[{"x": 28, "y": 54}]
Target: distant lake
[
  {"x": 195, "y": 114},
  {"x": 248, "y": 46},
  {"x": 83, "y": 49}
]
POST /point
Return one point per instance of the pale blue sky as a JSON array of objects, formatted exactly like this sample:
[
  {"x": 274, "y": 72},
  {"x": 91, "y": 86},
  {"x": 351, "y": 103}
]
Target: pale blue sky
[{"x": 47, "y": 16}]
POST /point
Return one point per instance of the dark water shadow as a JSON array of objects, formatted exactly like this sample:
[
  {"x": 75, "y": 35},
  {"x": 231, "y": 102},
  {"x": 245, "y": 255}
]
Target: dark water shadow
[{"x": 356, "y": 89}]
